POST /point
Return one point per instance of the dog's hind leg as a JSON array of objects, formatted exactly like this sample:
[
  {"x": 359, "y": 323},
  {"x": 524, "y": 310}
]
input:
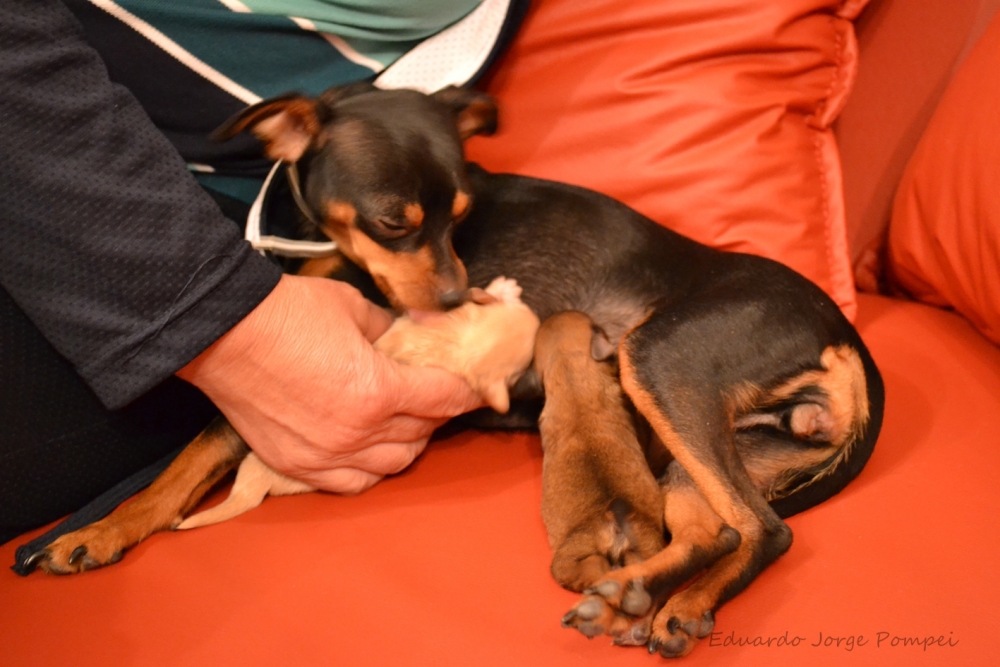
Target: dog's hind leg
[
  {"x": 671, "y": 373},
  {"x": 161, "y": 506},
  {"x": 698, "y": 538}
]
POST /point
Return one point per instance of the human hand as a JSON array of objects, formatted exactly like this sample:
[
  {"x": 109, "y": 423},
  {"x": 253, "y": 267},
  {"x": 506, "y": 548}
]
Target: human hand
[{"x": 300, "y": 382}]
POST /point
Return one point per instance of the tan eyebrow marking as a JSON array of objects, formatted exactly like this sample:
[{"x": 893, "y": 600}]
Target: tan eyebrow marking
[
  {"x": 460, "y": 204},
  {"x": 414, "y": 214},
  {"x": 341, "y": 212}
]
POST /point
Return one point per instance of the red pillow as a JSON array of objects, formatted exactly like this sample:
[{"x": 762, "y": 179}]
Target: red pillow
[
  {"x": 944, "y": 236},
  {"x": 710, "y": 116}
]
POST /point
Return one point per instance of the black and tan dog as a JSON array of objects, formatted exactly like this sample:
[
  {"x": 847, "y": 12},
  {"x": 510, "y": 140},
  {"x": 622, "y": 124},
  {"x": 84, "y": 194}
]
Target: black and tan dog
[{"x": 759, "y": 388}]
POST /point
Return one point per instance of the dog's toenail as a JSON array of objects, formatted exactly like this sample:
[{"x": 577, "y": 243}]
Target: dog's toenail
[
  {"x": 707, "y": 624},
  {"x": 568, "y": 618},
  {"x": 34, "y": 559},
  {"x": 77, "y": 554},
  {"x": 673, "y": 624}
]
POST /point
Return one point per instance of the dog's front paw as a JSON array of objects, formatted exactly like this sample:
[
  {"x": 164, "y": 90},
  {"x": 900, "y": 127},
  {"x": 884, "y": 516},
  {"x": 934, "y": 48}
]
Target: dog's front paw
[
  {"x": 622, "y": 592},
  {"x": 85, "y": 549},
  {"x": 679, "y": 626},
  {"x": 593, "y": 616}
]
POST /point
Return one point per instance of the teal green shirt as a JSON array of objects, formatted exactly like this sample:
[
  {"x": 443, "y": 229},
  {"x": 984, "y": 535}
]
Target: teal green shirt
[{"x": 268, "y": 47}]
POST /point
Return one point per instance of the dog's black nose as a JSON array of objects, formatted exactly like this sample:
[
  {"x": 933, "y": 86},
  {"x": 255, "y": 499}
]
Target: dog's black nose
[{"x": 452, "y": 299}]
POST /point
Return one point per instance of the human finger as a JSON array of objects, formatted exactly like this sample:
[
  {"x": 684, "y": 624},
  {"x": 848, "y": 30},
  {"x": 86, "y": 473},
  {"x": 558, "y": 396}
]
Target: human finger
[
  {"x": 371, "y": 319},
  {"x": 348, "y": 481},
  {"x": 434, "y": 393},
  {"x": 399, "y": 427},
  {"x": 387, "y": 458}
]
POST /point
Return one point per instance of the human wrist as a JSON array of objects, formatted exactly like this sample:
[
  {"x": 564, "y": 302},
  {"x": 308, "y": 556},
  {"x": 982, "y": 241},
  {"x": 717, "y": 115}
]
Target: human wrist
[{"x": 251, "y": 338}]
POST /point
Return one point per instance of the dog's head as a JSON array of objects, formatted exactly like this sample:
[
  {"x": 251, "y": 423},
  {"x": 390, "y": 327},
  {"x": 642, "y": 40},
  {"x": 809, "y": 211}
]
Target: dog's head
[{"x": 385, "y": 177}]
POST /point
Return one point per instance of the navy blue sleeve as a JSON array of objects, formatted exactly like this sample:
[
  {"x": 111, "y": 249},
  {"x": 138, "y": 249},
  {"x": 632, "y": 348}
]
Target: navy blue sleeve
[{"x": 107, "y": 243}]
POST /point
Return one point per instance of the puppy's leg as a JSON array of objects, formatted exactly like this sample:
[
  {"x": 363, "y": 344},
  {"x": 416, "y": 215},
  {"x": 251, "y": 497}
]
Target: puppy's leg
[
  {"x": 161, "y": 506},
  {"x": 699, "y": 538},
  {"x": 255, "y": 480},
  {"x": 597, "y": 550},
  {"x": 600, "y": 503},
  {"x": 673, "y": 378}
]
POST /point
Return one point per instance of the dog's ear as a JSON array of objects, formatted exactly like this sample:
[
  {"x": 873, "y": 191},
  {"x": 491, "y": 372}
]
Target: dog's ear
[
  {"x": 287, "y": 125},
  {"x": 475, "y": 113}
]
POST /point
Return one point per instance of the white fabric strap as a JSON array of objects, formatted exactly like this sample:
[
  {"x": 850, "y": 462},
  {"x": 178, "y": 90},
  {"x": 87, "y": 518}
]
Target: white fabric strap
[{"x": 276, "y": 244}]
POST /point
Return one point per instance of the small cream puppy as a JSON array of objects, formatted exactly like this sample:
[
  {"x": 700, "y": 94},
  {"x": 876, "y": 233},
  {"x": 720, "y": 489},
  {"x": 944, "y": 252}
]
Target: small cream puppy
[{"x": 489, "y": 341}]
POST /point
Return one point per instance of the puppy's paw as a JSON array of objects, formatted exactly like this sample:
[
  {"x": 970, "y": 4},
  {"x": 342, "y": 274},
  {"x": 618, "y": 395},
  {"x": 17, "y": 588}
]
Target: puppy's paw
[
  {"x": 678, "y": 627},
  {"x": 636, "y": 633},
  {"x": 593, "y": 616},
  {"x": 506, "y": 290},
  {"x": 623, "y": 593},
  {"x": 91, "y": 547}
]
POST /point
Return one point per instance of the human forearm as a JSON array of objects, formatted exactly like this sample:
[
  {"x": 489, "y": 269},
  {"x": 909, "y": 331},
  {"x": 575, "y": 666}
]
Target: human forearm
[{"x": 106, "y": 242}]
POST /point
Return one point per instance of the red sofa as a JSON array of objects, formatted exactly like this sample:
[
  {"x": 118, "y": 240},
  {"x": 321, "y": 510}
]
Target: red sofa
[{"x": 447, "y": 563}]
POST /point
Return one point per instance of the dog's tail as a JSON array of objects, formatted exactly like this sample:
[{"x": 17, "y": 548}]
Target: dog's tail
[{"x": 843, "y": 416}]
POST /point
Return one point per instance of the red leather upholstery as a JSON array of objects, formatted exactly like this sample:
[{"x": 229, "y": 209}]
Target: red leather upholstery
[
  {"x": 944, "y": 237},
  {"x": 447, "y": 564}
]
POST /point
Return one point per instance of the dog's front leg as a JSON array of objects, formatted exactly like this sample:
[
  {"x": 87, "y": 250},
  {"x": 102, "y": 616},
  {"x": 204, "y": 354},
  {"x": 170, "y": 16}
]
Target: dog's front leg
[{"x": 160, "y": 507}]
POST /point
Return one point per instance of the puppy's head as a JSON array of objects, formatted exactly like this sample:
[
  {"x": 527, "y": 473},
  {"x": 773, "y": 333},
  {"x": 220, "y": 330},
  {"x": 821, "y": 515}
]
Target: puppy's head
[
  {"x": 385, "y": 177},
  {"x": 488, "y": 340}
]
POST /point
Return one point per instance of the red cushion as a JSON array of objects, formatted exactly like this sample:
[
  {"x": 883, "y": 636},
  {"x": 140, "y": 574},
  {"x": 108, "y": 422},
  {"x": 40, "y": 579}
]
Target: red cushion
[
  {"x": 892, "y": 100},
  {"x": 710, "y": 116},
  {"x": 447, "y": 564},
  {"x": 944, "y": 237}
]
